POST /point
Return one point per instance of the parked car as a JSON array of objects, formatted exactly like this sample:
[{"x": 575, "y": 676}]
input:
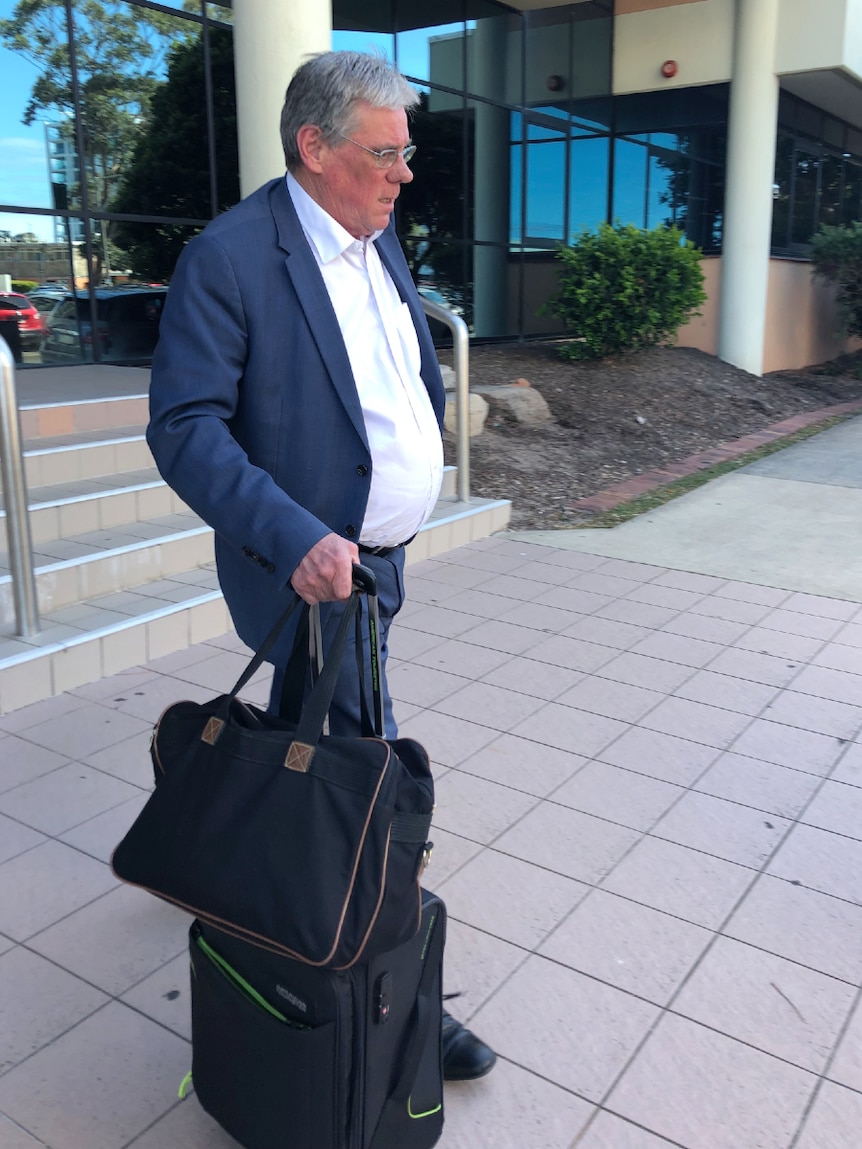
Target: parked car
[
  {"x": 128, "y": 325},
  {"x": 31, "y": 325}
]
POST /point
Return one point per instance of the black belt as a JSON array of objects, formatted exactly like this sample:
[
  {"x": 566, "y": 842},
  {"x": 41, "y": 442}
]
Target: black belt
[{"x": 381, "y": 552}]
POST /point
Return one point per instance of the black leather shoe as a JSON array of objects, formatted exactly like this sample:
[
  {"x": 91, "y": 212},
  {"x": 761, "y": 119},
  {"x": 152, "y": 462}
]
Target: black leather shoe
[{"x": 465, "y": 1057}]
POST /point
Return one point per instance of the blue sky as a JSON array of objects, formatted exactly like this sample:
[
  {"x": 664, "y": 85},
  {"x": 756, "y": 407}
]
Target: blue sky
[{"x": 24, "y": 168}]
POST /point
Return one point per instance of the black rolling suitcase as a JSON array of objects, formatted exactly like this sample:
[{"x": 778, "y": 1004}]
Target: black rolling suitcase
[{"x": 286, "y": 1056}]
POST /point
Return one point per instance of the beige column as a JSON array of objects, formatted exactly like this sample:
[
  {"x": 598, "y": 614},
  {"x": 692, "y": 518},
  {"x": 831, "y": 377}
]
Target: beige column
[
  {"x": 748, "y": 197},
  {"x": 491, "y": 179},
  {"x": 270, "y": 40}
]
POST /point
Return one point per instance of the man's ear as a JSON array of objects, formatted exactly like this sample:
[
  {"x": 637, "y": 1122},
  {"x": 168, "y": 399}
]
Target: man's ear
[{"x": 311, "y": 145}]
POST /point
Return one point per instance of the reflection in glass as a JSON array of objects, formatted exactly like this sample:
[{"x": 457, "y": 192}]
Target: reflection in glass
[
  {"x": 781, "y": 192},
  {"x": 168, "y": 172},
  {"x": 588, "y": 197},
  {"x": 806, "y": 170},
  {"x": 432, "y": 213},
  {"x": 852, "y": 194},
  {"x": 630, "y": 177},
  {"x": 348, "y": 41},
  {"x": 25, "y": 176},
  {"x": 831, "y": 179},
  {"x": 495, "y": 46},
  {"x": 434, "y": 54},
  {"x": 546, "y": 193}
]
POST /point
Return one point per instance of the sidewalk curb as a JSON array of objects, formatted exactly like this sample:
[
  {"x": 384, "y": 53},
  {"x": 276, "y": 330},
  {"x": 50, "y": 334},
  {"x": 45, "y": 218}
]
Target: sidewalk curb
[{"x": 625, "y": 492}]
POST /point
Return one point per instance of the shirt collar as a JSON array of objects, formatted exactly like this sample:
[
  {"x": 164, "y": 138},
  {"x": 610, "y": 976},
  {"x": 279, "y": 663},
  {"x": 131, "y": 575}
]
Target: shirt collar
[{"x": 325, "y": 234}]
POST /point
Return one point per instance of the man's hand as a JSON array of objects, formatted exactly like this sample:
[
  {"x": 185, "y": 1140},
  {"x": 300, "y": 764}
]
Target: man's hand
[{"x": 326, "y": 572}]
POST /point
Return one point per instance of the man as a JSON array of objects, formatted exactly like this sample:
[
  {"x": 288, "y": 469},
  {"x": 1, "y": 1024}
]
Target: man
[{"x": 296, "y": 401}]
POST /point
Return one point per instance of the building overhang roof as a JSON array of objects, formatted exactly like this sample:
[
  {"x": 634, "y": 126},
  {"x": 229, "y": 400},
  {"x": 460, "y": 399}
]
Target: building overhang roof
[{"x": 835, "y": 90}]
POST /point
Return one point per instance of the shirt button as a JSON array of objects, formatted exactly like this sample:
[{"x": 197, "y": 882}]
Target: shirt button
[{"x": 362, "y": 470}]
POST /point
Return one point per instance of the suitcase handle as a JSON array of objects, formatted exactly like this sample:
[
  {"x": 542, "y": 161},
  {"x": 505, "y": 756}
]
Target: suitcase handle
[{"x": 364, "y": 579}]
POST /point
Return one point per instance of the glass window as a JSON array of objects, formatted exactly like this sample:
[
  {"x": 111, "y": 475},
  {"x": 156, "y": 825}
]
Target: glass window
[
  {"x": 440, "y": 271},
  {"x": 350, "y": 41},
  {"x": 666, "y": 188},
  {"x": 781, "y": 188},
  {"x": 806, "y": 171},
  {"x": 546, "y": 192},
  {"x": 630, "y": 182},
  {"x": 222, "y": 12},
  {"x": 494, "y": 48},
  {"x": 516, "y": 196},
  {"x": 433, "y": 204},
  {"x": 852, "y": 192},
  {"x": 831, "y": 180},
  {"x": 588, "y": 184},
  {"x": 434, "y": 54},
  {"x": 28, "y": 164},
  {"x": 168, "y": 169}
]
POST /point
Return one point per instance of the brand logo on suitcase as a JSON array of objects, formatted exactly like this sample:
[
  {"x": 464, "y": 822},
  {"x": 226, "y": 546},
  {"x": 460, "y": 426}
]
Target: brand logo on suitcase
[{"x": 295, "y": 1001}]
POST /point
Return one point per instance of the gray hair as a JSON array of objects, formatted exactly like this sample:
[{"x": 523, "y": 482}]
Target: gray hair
[{"x": 325, "y": 90}]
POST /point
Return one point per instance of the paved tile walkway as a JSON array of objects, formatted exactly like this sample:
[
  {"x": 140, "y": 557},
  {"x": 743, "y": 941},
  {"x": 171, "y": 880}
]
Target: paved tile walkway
[{"x": 649, "y": 838}]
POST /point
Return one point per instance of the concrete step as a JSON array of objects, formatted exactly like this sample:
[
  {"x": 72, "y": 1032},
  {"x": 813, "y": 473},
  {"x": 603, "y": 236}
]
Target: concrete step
[
  {"x": 84, "y": 455},
  {"x": 63, "y": 510},
  {"x": 73, "y": 570},
  {"x": 47, "y": 420}
]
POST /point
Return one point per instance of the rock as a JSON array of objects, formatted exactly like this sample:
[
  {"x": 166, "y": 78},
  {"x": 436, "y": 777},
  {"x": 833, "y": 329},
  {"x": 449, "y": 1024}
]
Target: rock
[
  {"x": 478, "y": 415},
  {"x": 448, "y": 374},
  {"x": 523, "y": 404}
]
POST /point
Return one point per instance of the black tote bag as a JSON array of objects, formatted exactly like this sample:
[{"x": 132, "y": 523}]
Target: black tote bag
[{"x": 309, "y": 844}]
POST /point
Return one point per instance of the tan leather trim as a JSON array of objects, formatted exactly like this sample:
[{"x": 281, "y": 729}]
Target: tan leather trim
[
  {"x": 212, "y": 730},
  {"x": 299, "y": 756}
]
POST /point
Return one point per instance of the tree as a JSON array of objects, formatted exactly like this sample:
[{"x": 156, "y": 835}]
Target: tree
[
  {"x": 431, "y": 208},
  {"x": 119, "y": 54},
  {"x": 169, "y": 171}
]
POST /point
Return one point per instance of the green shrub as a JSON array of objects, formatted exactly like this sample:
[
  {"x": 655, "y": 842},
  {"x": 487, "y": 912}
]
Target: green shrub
[
  {"x": 836, "y": 253},
  {"x": 24, "y": 285},
  {"x": 622, "y": 289}
]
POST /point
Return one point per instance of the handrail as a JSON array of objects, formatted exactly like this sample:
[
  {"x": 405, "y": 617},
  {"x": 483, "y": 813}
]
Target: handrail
[
  {"x": 460, "y": 345},
  {"x": 15, "y": 493}
]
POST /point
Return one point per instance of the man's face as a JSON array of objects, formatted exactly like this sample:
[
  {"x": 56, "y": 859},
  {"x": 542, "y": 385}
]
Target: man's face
[{"x": 350, "y": 186}]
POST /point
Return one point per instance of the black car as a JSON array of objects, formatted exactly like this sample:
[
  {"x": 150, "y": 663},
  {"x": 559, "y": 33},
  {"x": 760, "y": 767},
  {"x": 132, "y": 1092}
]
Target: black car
[{"x": 127, "y": 325}]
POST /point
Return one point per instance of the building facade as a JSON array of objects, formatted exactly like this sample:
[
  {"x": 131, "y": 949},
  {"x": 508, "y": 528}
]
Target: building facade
[{"x": 127, "y": 124}]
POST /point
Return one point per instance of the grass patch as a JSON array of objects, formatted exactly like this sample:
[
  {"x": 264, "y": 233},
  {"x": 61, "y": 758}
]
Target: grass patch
[{"x": 661, "y": 495}]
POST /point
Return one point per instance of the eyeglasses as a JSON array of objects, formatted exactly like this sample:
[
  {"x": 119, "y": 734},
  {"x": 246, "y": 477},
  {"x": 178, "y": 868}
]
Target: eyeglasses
[{"x": 386, "y": 158}]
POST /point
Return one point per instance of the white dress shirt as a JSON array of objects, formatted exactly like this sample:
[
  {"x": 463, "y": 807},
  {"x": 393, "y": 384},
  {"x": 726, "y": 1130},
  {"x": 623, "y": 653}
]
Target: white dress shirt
[{"x": 383, "y": 348}]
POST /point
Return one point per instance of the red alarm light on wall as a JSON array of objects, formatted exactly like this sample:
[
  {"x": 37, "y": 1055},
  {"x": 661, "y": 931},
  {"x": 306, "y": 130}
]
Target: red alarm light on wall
[{"x": 669, "y": 69}]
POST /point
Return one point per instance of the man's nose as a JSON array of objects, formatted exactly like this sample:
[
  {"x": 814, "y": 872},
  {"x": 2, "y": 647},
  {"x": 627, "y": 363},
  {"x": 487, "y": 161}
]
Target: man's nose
[{"x": 400, "y": 172}]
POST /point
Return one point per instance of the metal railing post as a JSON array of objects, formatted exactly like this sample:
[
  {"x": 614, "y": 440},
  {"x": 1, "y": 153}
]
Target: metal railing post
[
  {"x": 15, "y": 495},
  {"x": 460, "y": 346}
]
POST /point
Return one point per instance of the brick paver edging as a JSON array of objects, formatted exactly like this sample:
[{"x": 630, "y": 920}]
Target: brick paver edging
[{"x": 633, "y": 488}]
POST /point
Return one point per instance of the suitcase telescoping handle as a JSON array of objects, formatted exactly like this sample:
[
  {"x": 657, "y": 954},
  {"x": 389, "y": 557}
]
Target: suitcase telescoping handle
[{"x": 364, "y": 582}]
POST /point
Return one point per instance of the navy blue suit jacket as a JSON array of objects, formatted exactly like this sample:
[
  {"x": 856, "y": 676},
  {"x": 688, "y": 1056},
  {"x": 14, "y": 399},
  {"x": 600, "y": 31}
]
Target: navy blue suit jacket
[{"x": 254, "y": 414}]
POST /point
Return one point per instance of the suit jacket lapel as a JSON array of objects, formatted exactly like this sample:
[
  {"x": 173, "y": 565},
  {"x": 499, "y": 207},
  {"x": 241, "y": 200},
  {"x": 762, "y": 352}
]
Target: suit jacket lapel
[{"x": 314, "y": 300}]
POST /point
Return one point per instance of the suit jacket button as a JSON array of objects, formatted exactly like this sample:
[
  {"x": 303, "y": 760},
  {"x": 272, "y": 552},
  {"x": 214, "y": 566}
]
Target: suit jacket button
[
  {"x": 362, "y": 470},
  {"x": 350, "y": 530},
  {"x": 270, "y": 567}
]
